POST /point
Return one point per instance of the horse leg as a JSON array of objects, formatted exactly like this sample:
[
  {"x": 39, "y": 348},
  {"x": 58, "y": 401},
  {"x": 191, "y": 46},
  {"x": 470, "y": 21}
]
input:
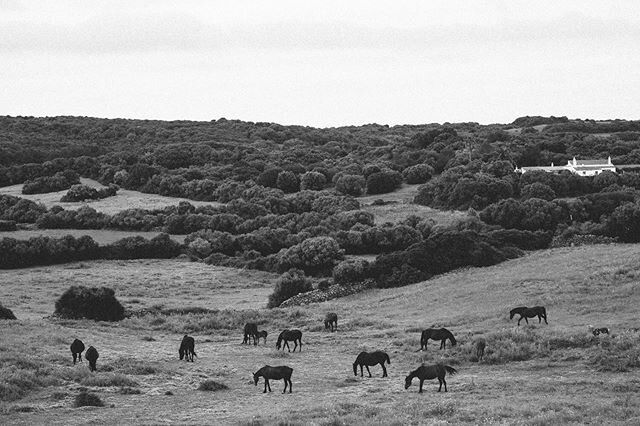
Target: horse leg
[
  {"x": 384, "y": 369},
  {"x": 295, "y": 345},
  {"x": 300, "y": 345},
  {"x": 368, "y": 371},
  {"x": 74, "y": 357},
  {"x": 443, "y": 344},
  {"x": 526, "y": 320},
  {"x": 421, "y": 383},
  {"x": 440, "y": 380},
  {"x": 285, "y": 385},
  {"x": 520, "y": 320},
  {"x": 445, "y": 384},
  {"x": 361, "y": 374}
]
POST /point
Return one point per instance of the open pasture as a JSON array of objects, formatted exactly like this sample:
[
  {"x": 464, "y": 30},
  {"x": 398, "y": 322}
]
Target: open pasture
[
  {"x": 123, "y": 200},
  {"x": 536, "y": 374}
]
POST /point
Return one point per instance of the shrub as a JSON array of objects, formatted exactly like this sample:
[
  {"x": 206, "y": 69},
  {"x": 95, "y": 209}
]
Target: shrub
[
  {"x": 314, "y": 255},
  {"x": 538, "y": 190},
  {"x": 96, "y": 303},
  {"x": 288, "y": 182},
  {"x": 6, "y": 313},
  {"x": 350, "y": 271},
  {"x": 288, "y": 285},
  {"x": 84, "y": 192},
  {"x": 212, "y": 386},
  {"x": 85, "y": 399},
  {"x": 7, "y": 225},
  {"x": 58, "y": 182},
  {"x": 351, "y": 185},
  {"x": 383, "y": 182},
  {"x": 420, "y": 173},
  {"x": 314, "y": 181}
]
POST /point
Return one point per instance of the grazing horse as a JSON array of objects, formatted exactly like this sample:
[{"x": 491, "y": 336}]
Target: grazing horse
[
  {"x": 92, "y": 356},
  {"x": 330, "y": 319},
  {"x": 525, "y": 313},
  {"x": 425, "y": 372},
  {"x": 276, "y": 373},
  {"x": 480, "y": 344},
  {"x": 598, "y": 331},
  {"x": 262, "y": 334},
  {"x": 294, "y": 336},
  {"x": 436, "y": 334},
  {"x": 76, "y": 350},
  {"x": 370, "y": 359},
  {"x": 250, "y": 330},
  {"x": 187, "y": 348}
]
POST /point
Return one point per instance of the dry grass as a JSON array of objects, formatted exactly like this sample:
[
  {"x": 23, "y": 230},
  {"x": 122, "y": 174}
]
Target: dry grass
[
  {"x": 535, "y": 374},
  {"x": 124, "y": 199},
  {"x": 400, "y": 206}
]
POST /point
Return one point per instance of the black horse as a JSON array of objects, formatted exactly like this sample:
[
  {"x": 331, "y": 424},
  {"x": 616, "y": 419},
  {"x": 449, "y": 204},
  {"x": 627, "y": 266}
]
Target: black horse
[
  {"x": 480, "y": 344},
  {"x": 187, "y": 348},
  {"x": 287, "y": 336},
  {"x": 77, "y": 347},
  {"x": 425, "y": 372},
  {"x": 330, "y": 320},
  {"x": 281, "y": 372},
  {"x": 524, "y": 312},
  {"x": 92, "y": 356},
  {"x": 370, "y": 359},
  {"x": 262, "y": 334},
  {"x": 436, "y": 334},
  {"x": 250, "y": 330}
]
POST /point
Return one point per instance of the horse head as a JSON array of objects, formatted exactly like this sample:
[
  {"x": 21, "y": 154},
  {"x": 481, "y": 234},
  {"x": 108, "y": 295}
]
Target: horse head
[{"x": 407, "y": 382}]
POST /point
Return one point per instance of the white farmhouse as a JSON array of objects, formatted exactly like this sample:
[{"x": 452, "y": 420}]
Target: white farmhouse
[{"x": 578, "y": 167}]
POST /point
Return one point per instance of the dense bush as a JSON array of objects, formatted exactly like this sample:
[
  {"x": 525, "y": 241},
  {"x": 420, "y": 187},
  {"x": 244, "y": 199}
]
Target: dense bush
[
  {"x": 45, "y": 250},
  {"x": 84, "y": 192},
  {"x": 159, "y": 247},
  {"x": 314, "y": 256},
  {"x": 58, "y": 182},
  {"x": 288, "y": 285},
  {"x": 420, "y": 173},
  {"x": 95, "y": 303},
  {"x": 383, "y": 182},
  {"x": 7, "y": 225},
  {"x": 88, "y": 399},
  {"x": 288, "y": 181},
  {"x": 6, "y": 313},
  {"x": 20, "y": 210},
  {"x": 351, "y": 271},
  {"x": 351, "y": 185},
  {"x": 314, "y": 181}
]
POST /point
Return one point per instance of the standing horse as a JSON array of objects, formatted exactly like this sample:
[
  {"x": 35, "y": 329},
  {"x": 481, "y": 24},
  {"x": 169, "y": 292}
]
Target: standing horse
[
  {"x": 370, "y": 359},
  {"x": 430, "y": 372},
  {"x": 250, "y": 330},
  {"x": 436, "y": 334},
  {"x": 294, "y": 336},
  {"x": 92, "y": 356},
  {"x": 187, "y": 348},
  {"x": 263, "y": 334},
  {"x": 276, "y": 373},
  {"x": 330, "y": 319},
  {"x": 480, "y": 344},
  {"x": 525, "y": 313},
  {"x": 76, "y": 350}
]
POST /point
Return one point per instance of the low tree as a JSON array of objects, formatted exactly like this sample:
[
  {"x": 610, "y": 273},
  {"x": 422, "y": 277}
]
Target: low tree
[
  {"x": 95, "y": 303},
  {"x": 288, "y": 285}
]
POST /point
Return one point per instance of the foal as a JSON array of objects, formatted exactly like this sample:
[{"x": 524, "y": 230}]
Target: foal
[
  {"x": 330, "y": 320},
  {"x": 430, "y": 372},
  {"x": 480, "y": 344}
]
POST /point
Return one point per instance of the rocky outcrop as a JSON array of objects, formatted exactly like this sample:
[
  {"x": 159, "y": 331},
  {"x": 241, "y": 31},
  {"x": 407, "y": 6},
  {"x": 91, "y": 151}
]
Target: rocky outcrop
[{"x": 333, "y": 292}]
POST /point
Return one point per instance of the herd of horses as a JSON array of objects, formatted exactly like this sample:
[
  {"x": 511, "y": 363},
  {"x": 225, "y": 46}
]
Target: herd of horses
[{"x": 186, "y": 350}]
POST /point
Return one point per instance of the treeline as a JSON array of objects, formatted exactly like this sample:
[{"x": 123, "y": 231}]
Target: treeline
[{"x": 46, "y": 251}]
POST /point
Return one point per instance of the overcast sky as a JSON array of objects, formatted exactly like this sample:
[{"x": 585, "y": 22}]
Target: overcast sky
[{"x": 321, "y": 63}]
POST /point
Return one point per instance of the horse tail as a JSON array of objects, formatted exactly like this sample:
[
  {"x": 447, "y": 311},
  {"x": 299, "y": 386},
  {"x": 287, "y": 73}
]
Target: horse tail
[
  {"x": 387, "y": 357},
  {"x": 450, "y": 370}
]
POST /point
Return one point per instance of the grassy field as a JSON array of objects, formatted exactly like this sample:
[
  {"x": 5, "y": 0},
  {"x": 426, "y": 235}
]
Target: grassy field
[
  {"x": 536, "y": 374},
  {"x": 124, "y": 199}
]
